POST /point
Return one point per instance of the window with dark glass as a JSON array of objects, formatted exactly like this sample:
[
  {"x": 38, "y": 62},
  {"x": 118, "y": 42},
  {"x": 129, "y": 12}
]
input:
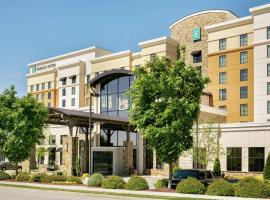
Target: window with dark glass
[
  {"x": 197, "y": 56},
  {"x": 222, "y": 94},
  {"x": 268, "y": 69},
  {"x": 243, "y": 74},
  {"x": 103, "y": 162},
  {"x": 64, "y": 81},
  {"x": 222, "y": 61},
  {"x": 243, "y": 40},
  {"x": 37, "y": 87},
  {"x": 243, "y": 109},
  {"x": 268, "y": 88},
  {"x": 243, "y": 57},
  {"x": 116, "y": 138},
  {"x": 72, "y": 101},
  {"x": 73, "y": 90},
  {"x": 222, "y": 77},
  {"x": 114, "y": 100},
  {"x": 49, "y": 85},
  {"x": 255, "y": 159},
  {"x": 43, "y": 86},
  {"x": 243, "y": 92},
  {"x": 268, "y": 32},
  {"x": 63, "y": 103},
  {"x": 222, "y": 44},
  {"x": 268, "y": 107},
  {"x": 31, "y": 88},
  {"x": 234, "y": 159},
  {"x": 49, "y": 95},
  {"x": 64, "y": 92},
  {"x": 73, "y": 79},
  {"x": 268, "y": 51},
  {"x": 49, "y": 105},
  {"x": 52, "y": 139}
]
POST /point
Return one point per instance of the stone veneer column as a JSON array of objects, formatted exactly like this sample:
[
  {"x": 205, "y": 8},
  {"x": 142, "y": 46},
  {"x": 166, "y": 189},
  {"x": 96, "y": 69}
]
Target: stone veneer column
[
  {"x": 128, "y": 157},
  {"x": 70, "y": 149},
  {"x": 29, "y": 164}
]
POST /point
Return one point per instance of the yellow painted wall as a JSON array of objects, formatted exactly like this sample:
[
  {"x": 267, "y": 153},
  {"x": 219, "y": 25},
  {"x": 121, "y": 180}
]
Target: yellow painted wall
[{"x": 233, "y": 83}]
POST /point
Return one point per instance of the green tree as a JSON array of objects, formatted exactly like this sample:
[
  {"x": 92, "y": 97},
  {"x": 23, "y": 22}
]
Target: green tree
[
  {"x": 217, "y": 169},
  {"x": 165, "y": 100},
  {"x": 266, "y": 170},
  {"x": 21, "y": 125}
]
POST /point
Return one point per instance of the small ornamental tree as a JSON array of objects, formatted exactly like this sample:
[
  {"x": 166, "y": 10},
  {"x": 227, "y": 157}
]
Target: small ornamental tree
[
  {"x": 217, "y": 169},
  {"x": 21, "y": 125},
  {"x": 266, "y": 170},
  {"x": 165, "y": 100}
]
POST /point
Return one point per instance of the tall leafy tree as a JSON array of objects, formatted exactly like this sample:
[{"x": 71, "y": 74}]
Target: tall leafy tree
[
  {"x": 21, "y": 125},
  {"x": 165, "y": 103}
]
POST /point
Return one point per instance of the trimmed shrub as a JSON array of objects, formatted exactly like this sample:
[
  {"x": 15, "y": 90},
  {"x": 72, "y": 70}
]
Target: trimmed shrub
[
  {"x": 13, "y": 177},
  {"x": 266, "y": 170},
  {"x": 217, "y": 169},
  {"x": 137, "y": 183},
  {"x": 252, "y": 188},
  {"x": 190, "y": 186},
  {"x": 54, "y": 178},
  {"x": 85, "y": 175},
  {"x": 23, "y": 176},
  {"x": 4, "y": 176},
  {"x": 220, "y": 188},
  {"x": 39, "y": 177},
  {"x": 175, "y": 168},
  {"x": 162, "y": 183},
  {"x": 114, "y": 182},
  {"x": 74, "y": 179},
  {"x": 95, "y": 180}
]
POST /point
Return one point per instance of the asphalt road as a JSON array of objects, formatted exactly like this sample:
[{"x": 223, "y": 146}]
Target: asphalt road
[{"x": 12, "y": 193}]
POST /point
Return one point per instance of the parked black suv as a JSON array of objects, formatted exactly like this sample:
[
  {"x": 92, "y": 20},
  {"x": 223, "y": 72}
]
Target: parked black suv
[
  {"x": 8, "y": 166},
  {"x": 205, "y": 176}
]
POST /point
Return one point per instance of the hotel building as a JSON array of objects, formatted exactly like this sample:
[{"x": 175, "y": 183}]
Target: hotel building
[{"x": 232, "y": 51}]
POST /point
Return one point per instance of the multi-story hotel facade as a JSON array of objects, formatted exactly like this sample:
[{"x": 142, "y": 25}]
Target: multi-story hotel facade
[{"x": 230, "y": 50}]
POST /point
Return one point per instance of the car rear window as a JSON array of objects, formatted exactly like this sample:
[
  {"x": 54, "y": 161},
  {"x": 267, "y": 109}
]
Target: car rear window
[{"x": 185, "y": 173}]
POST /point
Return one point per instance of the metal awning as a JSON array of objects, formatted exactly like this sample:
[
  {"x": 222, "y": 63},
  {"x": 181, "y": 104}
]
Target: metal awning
[{"x": 79, "y": 118}]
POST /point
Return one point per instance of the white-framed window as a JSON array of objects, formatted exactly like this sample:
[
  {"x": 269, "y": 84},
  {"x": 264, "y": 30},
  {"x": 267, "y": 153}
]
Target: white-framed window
[
  {"x": 268, "y": 88},
  {"x": 222, "y": 94},
  {"x": 49, "y": 95},
  {"x": 268, "y": 51},
  {"x": 268, "y": 32},
  {"x": 222, "y": 44},
  {"x": 73, "y": 90},
  {"x": 222, "y": 61},
  {"x": 243, "y": 109},
  {"x": 63, "y": 103},
  {"x": 222, "y": 77},
  {"x": 72, "y": 101},
  {"x": 268, "y": 107},
  {"x": 268, "y": 69},
  {"x": 243, "y": 92},
  {"x": 243, "y": 57},
  {"x": 243, "y": 74},
  {"x": 243, "y": 40},
  {"x": 64, "y": 92},
  {"x": 49, "y": 85}
]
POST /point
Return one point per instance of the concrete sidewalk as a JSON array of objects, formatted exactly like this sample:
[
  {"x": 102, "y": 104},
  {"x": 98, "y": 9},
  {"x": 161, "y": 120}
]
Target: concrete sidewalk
[{"x": 117, "y": 191}]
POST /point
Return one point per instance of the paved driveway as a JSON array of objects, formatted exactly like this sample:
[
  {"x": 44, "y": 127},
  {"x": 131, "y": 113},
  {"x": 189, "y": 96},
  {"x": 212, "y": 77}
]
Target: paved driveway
[{"x": 11, "y": 193}]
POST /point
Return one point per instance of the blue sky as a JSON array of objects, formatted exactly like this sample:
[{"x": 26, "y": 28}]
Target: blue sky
[{"x": 31, "y": 30}]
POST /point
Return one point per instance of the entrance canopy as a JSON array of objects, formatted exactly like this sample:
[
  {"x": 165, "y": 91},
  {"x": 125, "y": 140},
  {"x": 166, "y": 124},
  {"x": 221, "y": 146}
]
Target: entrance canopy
[{"x": 79, "y": 118}]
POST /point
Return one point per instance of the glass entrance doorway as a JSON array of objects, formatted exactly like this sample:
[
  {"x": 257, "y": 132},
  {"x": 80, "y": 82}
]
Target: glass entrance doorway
[{"x": 103, "y": 162}]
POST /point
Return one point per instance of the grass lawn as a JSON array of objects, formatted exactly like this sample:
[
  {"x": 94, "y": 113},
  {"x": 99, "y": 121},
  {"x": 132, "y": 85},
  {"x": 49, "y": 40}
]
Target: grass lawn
[{"x": 101, "y": 193}]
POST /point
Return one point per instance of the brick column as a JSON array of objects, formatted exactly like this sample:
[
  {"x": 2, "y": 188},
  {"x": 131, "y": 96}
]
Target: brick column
[{"x": 70, "y": 152}]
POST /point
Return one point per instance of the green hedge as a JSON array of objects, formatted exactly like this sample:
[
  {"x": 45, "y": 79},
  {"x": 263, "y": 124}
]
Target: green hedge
[
  {"x": 23, "y": 176},
  {"x": 220, "y": 188},
  {"x": 252, "y": 188},
  {"x": 38, "y": 177},
  {"x": 114, "y": 182},
  {"x": 266, "y": 170},
  {"x": 55, "y": 178},
  {"x": 190, "y": 186},
  {"x": 74, "y": 179},
  {"x": 95, "y": 180},
  {"x": 4, "y": 176},
  {"x": 162, "y": 183},
  {"x": 137, "y": 183}
]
